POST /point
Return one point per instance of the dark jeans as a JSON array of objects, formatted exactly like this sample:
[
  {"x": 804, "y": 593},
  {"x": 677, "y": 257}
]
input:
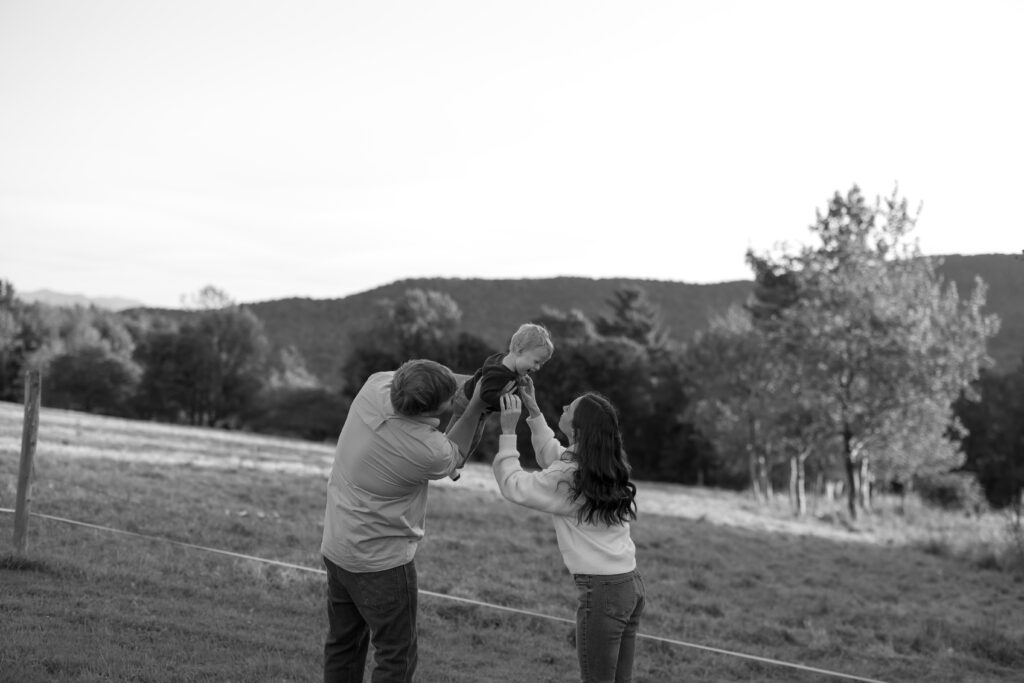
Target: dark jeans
[
  {"x": 606, "y": 624},
  {"x": 381, "y": 604}
]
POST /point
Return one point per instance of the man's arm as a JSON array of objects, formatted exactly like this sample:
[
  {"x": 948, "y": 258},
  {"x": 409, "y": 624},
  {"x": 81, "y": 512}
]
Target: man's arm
[{"x": 462, "y": 432}]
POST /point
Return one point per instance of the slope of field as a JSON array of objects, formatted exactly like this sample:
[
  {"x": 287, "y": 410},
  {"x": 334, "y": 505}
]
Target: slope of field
[{"x": 884, "y": 599}]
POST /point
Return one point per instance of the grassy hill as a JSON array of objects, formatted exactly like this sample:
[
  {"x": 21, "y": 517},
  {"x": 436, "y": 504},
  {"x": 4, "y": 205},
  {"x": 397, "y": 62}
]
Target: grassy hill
[
  {"x": 492, "y": 309},
  {"x": 916, "y": 596}
]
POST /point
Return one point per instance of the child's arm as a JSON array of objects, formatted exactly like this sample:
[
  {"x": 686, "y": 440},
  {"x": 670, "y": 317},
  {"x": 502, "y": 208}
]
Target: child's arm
[{"x": 494, "y": 383}]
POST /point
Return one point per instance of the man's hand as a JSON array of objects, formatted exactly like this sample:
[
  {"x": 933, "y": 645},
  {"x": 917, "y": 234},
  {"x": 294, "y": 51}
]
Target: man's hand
[
  {"x": 511, "y": 409},
  {"x": 529, "y": 395}
]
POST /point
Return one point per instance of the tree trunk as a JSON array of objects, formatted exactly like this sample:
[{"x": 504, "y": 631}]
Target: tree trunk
[
  {"x": 797, "y": 486},
  {"x": 755, "y": 480},
  {"x": 753, "y": 461},
  {"x": 766, "y": 480},
  {"x": 851, "y": 473},
  {"x": 801, "y": 485},
  {"x": 865, "y": 483}
]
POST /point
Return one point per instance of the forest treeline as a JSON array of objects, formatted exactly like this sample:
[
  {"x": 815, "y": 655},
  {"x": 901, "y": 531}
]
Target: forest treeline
[{"x": 853, "y": 359}]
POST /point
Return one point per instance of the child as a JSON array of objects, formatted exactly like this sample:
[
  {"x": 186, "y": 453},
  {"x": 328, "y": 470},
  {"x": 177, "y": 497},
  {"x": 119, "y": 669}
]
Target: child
[
  {"x": 528, "y": 350},
  {"x": 587, "y": 491}
]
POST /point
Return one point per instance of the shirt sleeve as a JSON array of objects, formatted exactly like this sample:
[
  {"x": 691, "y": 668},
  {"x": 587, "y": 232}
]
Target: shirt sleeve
[
  {"x": 493, "y": 383},
  {"x": 546, "y": 447},
  {"x": 446, "y": 458},
  {"x": 547, "y": 490}
]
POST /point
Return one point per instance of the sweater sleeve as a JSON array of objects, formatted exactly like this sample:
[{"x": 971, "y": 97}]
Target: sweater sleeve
[
  {"x": 547, "y": 490},
  {"x": 546, "y": 447}
]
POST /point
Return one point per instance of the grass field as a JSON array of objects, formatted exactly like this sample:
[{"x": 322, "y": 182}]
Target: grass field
[{"x": 912, "y": 597}]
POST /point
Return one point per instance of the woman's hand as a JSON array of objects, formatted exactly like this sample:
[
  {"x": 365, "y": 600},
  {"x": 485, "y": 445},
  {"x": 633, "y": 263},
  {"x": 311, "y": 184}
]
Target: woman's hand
[
  {"x": 511, "y": 409},
  {"x": 528, "y": 392}
]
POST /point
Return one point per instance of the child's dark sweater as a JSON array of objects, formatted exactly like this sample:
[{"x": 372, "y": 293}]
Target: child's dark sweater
[{"x": 494, "y": 376}]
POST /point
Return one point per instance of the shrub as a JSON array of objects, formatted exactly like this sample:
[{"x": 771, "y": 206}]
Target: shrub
[
  {"x": 951, "y": 491},
  {"x": 306, "y": 413}
]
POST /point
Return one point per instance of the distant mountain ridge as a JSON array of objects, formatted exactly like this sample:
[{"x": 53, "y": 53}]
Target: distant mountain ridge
[
  {"x": 48, "y": 296},
  {"x": 491, "y": 309},
  {"x": 320, "y": 328}
]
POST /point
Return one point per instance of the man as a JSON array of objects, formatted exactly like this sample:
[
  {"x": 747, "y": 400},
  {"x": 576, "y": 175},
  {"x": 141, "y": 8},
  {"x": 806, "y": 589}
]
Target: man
[{"x": 389, "y": 449}]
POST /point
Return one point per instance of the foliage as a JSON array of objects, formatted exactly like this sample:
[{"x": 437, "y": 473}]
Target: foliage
[
  {"x": 951, "y": 491},
  {"x": 634, "y": 316},
  {"x": 14, "y": 344},
  {"x": 310, "y": 413},
  {"x": 321, "y": 329},
  {"x": 630, "y": 360},
  {"x": 993, "y": 439},
  {"x": 84, "y": 353},
  {"x": 92, "y": 379},
  {"x": 417, "y": 324},
  {"x": 207, "y": 371},
  {"x": 885, "y": 346}
]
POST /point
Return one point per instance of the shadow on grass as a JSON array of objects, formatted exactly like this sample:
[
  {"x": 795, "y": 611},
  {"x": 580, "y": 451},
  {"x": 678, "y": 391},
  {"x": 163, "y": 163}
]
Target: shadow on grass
[{"x": 21, "y": 563}]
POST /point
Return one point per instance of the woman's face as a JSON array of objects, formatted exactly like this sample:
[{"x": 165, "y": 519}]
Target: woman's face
[{"x": 565, "y": 421}]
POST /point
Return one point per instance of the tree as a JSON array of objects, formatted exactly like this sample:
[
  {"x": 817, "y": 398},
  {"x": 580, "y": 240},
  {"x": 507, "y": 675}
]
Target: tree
[
  {"x": 91, "y": 379},
  {"x": 170, "y": 388},
  {"x": 634, "y": 317},
  {"x": 36, "y": 335},
  {"x": 993, "y": 438},
  {"x": 311, "y": 413},
  {"x": 12, "y": 354},
  {"x": 626, "y": 358},
  {"x": 418, "y": 324},
  {"x": 209, "y": 370},
  {"x": 885, "y": 344},
  {"x": 730, "y": 391}
]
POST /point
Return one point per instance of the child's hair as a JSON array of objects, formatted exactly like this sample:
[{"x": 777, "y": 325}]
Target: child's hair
[
  {"x": 531, "y": 336},
  {"x": 421, "y": 386},
  {"x": 601, "y": 478}
]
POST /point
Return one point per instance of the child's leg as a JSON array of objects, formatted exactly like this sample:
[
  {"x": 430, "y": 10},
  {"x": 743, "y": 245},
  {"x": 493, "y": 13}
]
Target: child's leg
[{"x": 477, "y": 435}]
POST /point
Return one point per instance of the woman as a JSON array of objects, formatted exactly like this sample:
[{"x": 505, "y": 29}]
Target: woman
[{"x": 586, "y": 488}]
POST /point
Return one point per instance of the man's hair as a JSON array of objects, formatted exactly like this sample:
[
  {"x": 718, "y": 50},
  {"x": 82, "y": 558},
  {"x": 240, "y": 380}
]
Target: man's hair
[
  {"x": 421, "y": 386},
  {"x": 531, "y": 336}
]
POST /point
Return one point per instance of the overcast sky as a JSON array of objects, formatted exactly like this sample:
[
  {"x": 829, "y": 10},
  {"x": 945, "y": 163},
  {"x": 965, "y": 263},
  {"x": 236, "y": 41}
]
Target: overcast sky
[{"x": 319, "y": 149}]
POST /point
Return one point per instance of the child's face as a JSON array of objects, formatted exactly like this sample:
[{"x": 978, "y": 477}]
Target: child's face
[{"x": 531, "y": 360}]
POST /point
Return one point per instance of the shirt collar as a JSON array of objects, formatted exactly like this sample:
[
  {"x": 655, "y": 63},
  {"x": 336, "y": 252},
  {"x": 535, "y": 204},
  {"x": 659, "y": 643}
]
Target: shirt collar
[{"x": 376, "y": 421}]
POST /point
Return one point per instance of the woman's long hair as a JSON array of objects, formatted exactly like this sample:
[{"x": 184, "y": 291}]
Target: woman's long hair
[{"x": 602, "y": 476}]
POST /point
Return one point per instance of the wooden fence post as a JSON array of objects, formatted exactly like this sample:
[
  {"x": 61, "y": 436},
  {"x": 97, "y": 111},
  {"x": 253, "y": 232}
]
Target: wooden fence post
[{"x": 29, "y": 432}]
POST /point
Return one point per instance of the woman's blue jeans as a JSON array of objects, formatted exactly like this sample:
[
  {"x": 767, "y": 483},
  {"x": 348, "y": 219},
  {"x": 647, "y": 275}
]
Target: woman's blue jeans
[
  {"x": 360, "y": 604},
  {"x": 607, "y": 619}
]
